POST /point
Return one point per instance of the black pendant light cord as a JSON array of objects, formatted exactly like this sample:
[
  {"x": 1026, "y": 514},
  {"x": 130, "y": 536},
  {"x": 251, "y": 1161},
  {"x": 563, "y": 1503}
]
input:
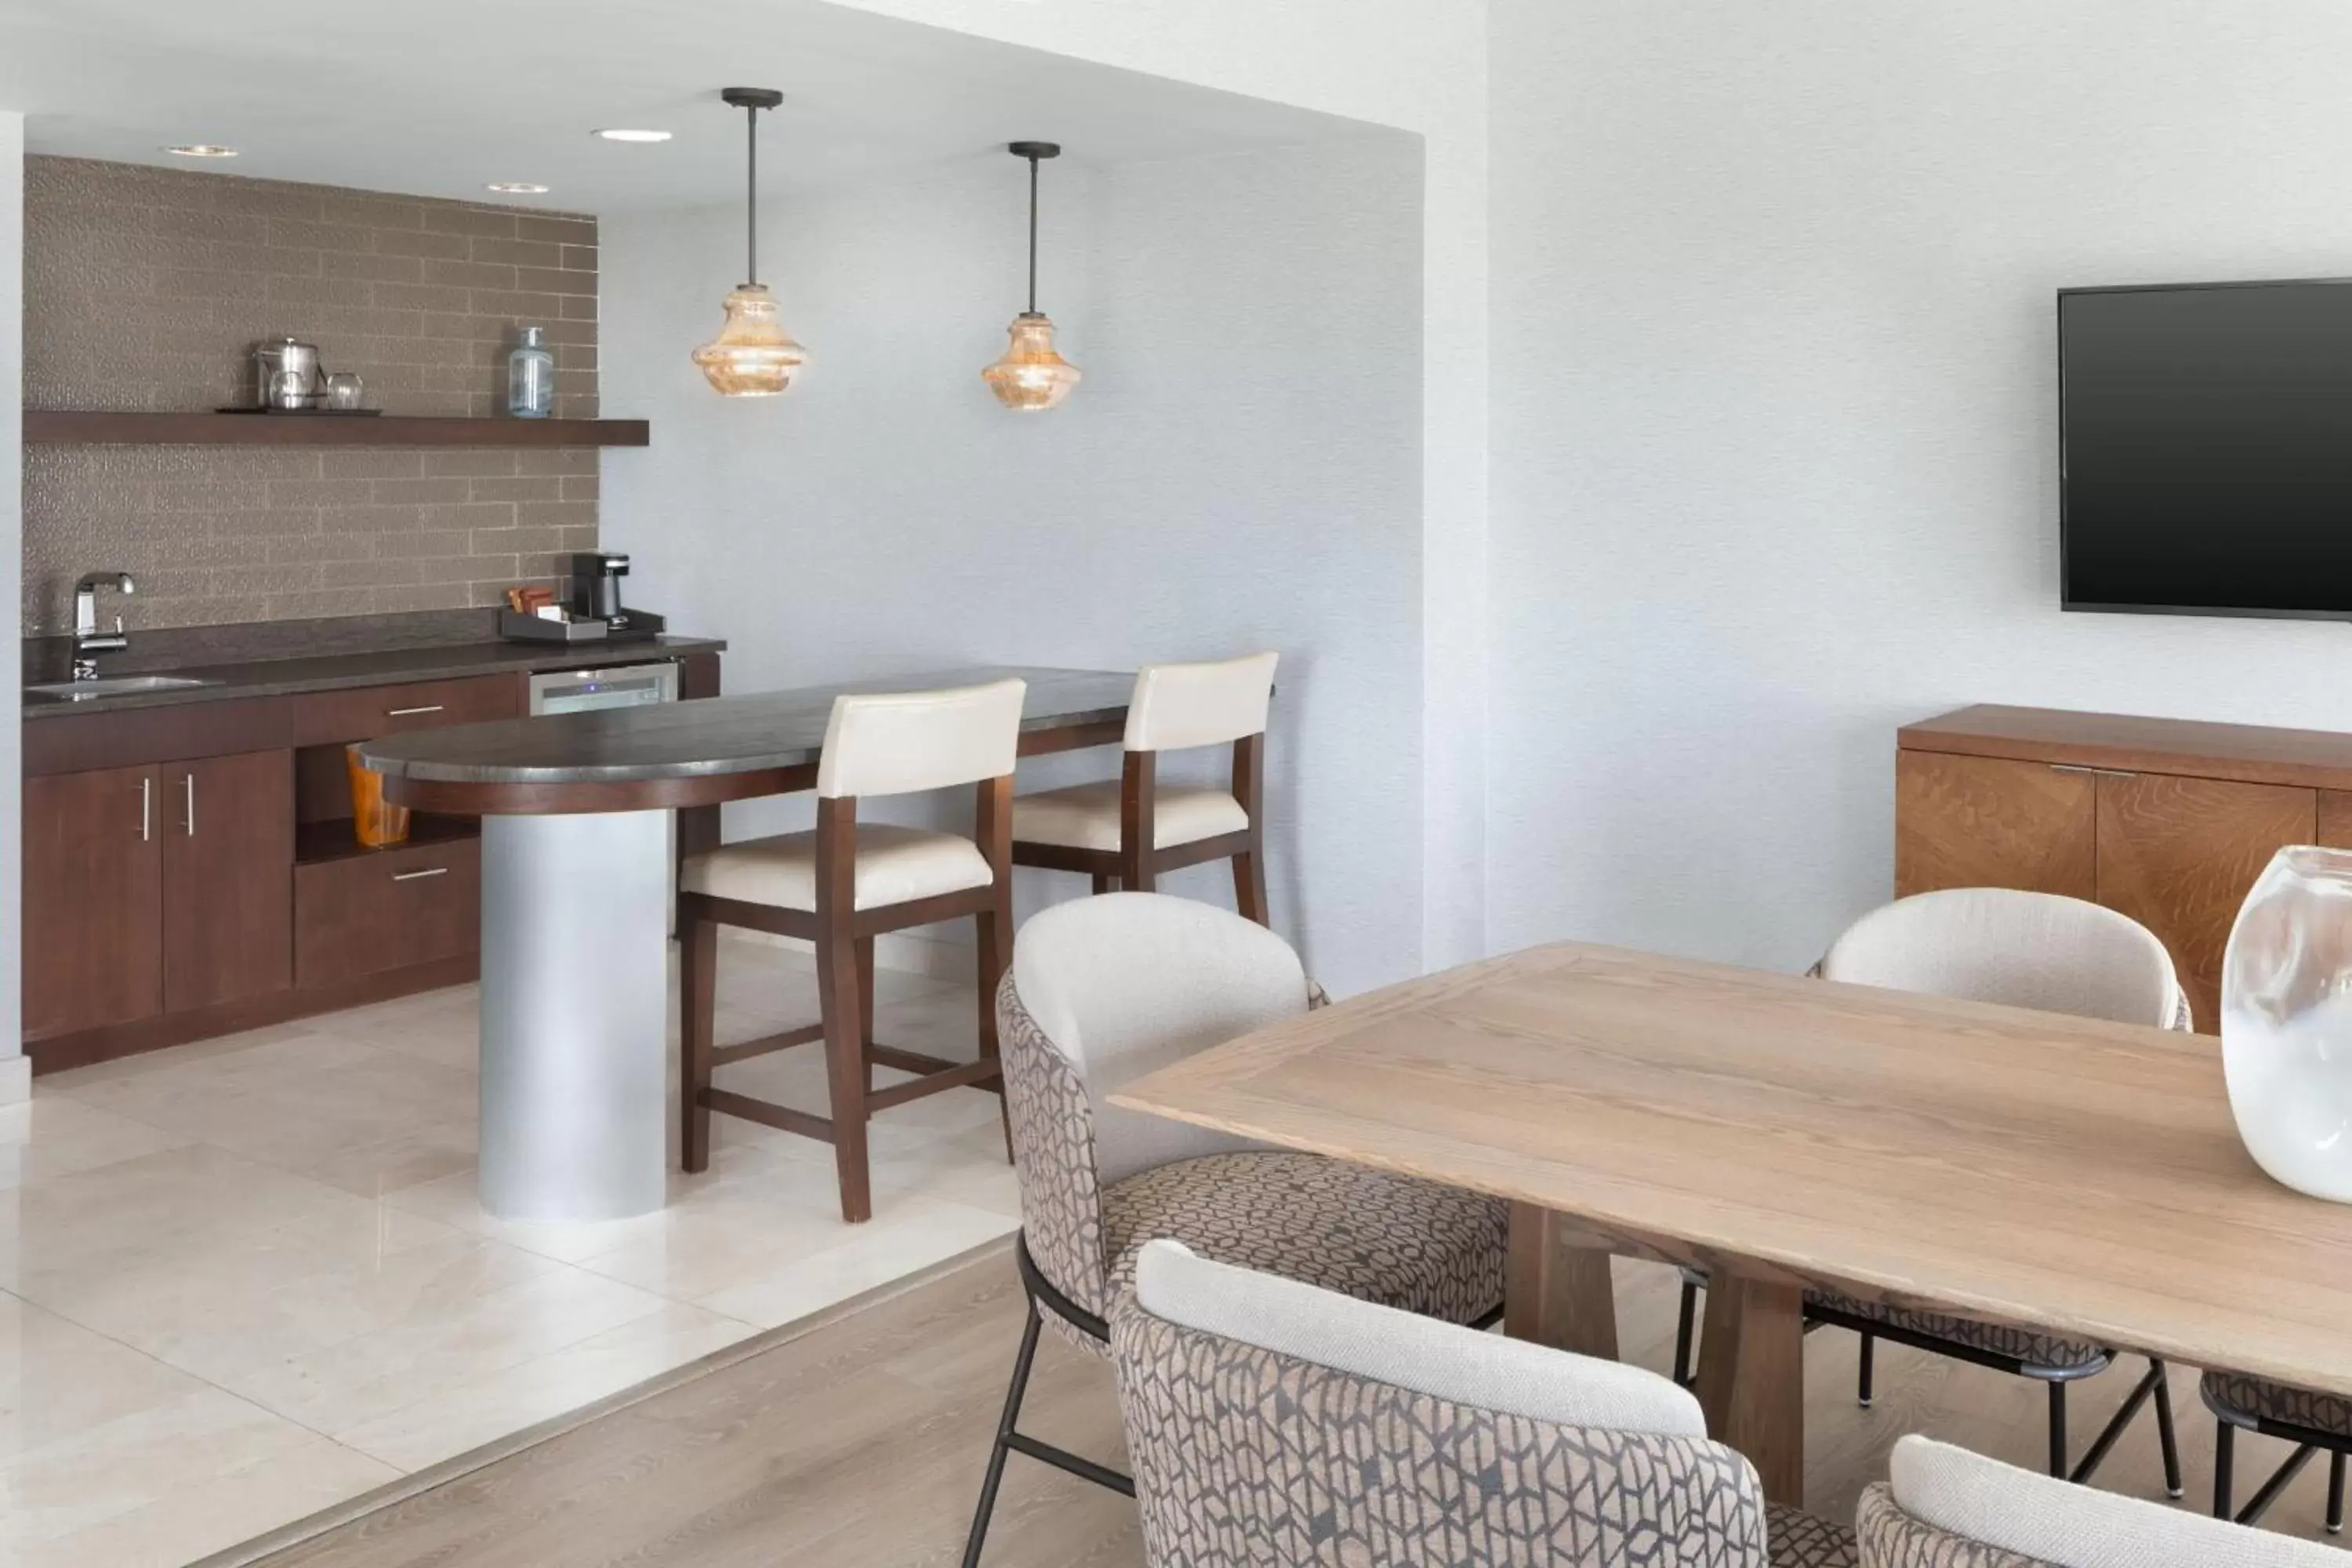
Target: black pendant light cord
[
  {"x": 1032, "y": 235},
  {"x": 750, "y": 101}
]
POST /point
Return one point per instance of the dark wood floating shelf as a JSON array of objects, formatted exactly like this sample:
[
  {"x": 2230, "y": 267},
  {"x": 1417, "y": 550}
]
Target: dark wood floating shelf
[{"x": 99, "y": 428}]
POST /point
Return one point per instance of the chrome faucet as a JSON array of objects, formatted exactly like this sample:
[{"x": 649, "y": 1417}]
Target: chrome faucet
[{"x": 89, "y": 641}]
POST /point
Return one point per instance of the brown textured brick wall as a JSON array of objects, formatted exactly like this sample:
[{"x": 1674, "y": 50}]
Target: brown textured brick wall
[{"x": 147, "y": 289}]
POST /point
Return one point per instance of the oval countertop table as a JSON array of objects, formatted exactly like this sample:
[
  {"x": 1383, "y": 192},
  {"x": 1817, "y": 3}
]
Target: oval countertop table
[{"x": 576, "y": 876}]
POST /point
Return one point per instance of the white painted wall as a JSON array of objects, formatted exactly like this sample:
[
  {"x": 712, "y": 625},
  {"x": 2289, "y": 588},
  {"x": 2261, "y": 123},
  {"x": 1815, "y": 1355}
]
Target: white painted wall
[
  {"x": 1240, "y": 469},
  {"x": 1420, "y": 66},
  {"x": 14, "y": 1071},
  {"x": 1775, "y": 421}
]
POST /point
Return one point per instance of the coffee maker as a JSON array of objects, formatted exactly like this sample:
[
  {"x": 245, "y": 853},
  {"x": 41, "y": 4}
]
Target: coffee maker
[{"x": 594, "y": 595}]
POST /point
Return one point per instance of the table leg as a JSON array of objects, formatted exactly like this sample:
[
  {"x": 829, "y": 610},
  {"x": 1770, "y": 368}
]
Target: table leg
[
  {"x": 575, "y": 982},
  {"x": 1751, "y": 1378},
  {"x": 1557, "y": 1287}
]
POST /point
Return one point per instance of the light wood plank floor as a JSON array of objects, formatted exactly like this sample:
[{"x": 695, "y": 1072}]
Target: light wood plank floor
[{"x": 862, "y": 1443}]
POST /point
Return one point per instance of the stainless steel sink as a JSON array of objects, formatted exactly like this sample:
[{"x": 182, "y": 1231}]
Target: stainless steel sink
[{"x": 113, "y": 686}]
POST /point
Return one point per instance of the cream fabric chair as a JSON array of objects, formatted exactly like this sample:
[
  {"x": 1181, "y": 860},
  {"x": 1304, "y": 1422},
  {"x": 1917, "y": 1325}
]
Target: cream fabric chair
[
  {"x": 1127, "y": 831},
  {"x": 1105, "y": 990},
  {"x": 839, "y": 886},
  {"x": 1946, "y": 1508},
  {"x": 1273, "y": 1423},
  {"x": 2022, "y": 950}
]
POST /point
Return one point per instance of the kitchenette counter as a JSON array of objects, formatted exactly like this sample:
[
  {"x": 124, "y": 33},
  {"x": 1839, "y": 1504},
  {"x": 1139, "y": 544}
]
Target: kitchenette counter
[{"x": 231, "y": 678}]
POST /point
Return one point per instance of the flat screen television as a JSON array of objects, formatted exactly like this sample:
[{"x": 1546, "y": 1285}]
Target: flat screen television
[{"x": 2206, "y": 436}]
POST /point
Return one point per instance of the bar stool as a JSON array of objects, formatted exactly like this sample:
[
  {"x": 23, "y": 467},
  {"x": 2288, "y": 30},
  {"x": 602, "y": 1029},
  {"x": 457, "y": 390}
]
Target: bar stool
[
  {"x": 1099, "y": 828},
  {"x": 841, "y": 885}
]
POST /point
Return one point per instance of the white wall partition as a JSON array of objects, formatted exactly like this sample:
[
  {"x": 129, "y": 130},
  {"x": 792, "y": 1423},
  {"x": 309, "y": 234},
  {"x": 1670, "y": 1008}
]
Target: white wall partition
[
  {"x": 1240, "y": 469},
  {"x": 1774, "y": 414}
]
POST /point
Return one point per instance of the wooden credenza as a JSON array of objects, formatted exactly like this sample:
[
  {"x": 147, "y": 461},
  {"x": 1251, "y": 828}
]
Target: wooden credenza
[{"x": 2166, "y": 820}]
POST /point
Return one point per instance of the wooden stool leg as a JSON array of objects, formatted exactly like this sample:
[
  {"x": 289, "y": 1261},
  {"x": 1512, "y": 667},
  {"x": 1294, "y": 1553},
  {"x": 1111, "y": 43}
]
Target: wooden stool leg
[
  {"x": 993, "y": 821},
  {"x": 844, "y": 1065},
  {"x": 1106, "y": 884},
  {"x": 866, "y": 1007},
  {"x": 1249, "y": 886},
  {"x": 1751, "y": 1379},
  {"x": 698, "y": 944}
]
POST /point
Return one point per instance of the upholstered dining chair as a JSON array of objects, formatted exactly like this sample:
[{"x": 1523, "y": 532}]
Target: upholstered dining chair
[
  {"x": 1127, "y": 832},
  {"x": 1273, "y": 1423},
  {"x": 2314, "y": 1423},
  {"x": 2024, "y": 950},
  {"x": 1104, "y": 990},
  {"x": 1942, "y": 1507},
  {"x": 842, "y": 885}
]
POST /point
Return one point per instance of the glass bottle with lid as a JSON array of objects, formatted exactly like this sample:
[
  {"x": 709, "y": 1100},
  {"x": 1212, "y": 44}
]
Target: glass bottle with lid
[{"x": 530, "y": 377}]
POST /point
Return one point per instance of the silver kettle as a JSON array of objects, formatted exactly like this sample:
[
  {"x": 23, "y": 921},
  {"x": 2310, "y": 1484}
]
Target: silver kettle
[{"x": 287, "y": 374}]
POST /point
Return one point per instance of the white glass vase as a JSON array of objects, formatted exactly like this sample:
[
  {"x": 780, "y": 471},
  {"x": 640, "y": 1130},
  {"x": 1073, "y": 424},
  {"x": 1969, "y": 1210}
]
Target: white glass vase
[{"x": 2286, "y": 1021}]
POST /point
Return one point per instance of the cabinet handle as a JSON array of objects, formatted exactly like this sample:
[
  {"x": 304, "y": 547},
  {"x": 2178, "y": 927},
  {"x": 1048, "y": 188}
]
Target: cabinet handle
[
  {"x": 412, "y": 712},
  {"x": 146, "y": 809},
  {"x": 2096, "y": 772},
  {"x": 188, "y": 783},
  {"x": 412, "y": 876}
]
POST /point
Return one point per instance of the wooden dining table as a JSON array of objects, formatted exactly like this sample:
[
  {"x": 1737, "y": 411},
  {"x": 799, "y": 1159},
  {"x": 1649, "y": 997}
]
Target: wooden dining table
[{"x": 2063, "y": 1174}]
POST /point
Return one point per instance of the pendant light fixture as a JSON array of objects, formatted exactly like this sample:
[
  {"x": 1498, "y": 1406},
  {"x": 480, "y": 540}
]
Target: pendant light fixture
[
  {"x": 1031, "y": 376},
  {"x": 752, "y": 356}
]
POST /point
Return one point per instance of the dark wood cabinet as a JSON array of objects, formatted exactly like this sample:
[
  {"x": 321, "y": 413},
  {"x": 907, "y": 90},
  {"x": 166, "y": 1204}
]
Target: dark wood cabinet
[
  {"x": 228, "y": 869},
  {"x": 2166, "y": 821},
  {"x": 94, "y": 949},
  {"x": 382, "y": 910}
]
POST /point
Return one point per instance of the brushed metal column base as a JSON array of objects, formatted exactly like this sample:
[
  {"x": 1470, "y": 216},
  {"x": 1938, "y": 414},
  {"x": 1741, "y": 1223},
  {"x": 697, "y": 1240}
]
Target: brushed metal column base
[{"x": 575, "y": 983}]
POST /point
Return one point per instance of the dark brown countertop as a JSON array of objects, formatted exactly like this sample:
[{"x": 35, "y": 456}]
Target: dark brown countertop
[
  {"x": 712, "y": 738},
  {"x": 334, "y": 671}
]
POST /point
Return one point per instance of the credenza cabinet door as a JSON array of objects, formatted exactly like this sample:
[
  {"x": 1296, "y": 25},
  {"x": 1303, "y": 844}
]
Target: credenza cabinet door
[
  {"x": 1987, "y": 822},
  {"x": 228, "y": 878},
  {"x": 93, "y": 947},
  {"x": 2179, "y": 854}
]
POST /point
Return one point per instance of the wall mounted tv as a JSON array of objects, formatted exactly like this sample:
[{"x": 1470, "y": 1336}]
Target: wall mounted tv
[{"x": 2207, "y": 448}]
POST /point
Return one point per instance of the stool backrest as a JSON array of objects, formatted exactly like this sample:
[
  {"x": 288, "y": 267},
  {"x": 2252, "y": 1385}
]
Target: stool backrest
[
  {"x": 2024, "y": 950},
  {"x": 1254, "y": 1404},
  {"x": 1945, "y": 1506},
  {"x": 1176, "y": 705},
  {"x": 897, "y": 742}
]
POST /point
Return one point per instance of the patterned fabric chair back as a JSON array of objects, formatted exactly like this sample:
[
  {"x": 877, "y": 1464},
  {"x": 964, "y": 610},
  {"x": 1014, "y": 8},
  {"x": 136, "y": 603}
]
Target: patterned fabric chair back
[
  {"x": 2024, "y": 950},
  {"x": 1946, "y": 1508},
  {"x": 1101, "y": 991},
  {"x": 1274, "y": 1424}
]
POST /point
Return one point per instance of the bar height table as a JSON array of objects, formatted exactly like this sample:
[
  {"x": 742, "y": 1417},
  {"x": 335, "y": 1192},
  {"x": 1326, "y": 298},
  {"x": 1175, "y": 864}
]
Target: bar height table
[{"x": 575, "y": 883}]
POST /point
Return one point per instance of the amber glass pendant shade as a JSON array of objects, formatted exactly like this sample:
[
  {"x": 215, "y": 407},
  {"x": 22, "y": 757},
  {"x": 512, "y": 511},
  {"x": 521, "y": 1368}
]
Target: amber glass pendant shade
[
  {"x": 752, "y": 356},
  {"x": 1033, "y": 376}
]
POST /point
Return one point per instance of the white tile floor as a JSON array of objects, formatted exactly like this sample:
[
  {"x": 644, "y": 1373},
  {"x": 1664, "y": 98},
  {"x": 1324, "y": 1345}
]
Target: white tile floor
[{"x": 244, "y": 1280}]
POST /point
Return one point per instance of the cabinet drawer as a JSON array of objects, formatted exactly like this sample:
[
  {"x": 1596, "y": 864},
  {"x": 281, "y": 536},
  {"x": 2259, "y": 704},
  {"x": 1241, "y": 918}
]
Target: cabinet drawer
[
  {"x": 330, "y": 717},
  {"x": 386, "y": 910}
]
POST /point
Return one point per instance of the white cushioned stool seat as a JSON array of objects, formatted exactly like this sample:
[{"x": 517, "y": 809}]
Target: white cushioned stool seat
[
  {"x": 1085, "y": 816},
  {"x": 895, "y": 866}
]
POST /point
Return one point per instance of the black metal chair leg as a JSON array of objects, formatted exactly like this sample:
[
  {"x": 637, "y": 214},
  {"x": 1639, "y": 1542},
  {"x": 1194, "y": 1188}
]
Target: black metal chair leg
[
  {"x": 2335, "y": 1492},
  {"x": 1685, "y": 1331},
  {"x": 2166, "y": 1438},
  {"x": 2058, "y": 1430},
  {"x": 1004, "y": 1428},
  {"x": 2260, "y": 1503},
  {"x": 2225, "y": 1454},
  {"x": 1862, "y": 1394}
]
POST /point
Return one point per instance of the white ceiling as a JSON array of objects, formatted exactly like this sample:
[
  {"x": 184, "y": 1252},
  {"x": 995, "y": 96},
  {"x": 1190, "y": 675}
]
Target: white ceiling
[{"x": 441, "y": 96}]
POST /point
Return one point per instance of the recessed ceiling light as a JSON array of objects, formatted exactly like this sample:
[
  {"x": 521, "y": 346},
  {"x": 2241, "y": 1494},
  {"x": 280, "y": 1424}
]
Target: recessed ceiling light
[
  {"x": 518, "y": 188},
  {"x": 201, "y": 150},
  {"x": 627, "y": 135}
]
